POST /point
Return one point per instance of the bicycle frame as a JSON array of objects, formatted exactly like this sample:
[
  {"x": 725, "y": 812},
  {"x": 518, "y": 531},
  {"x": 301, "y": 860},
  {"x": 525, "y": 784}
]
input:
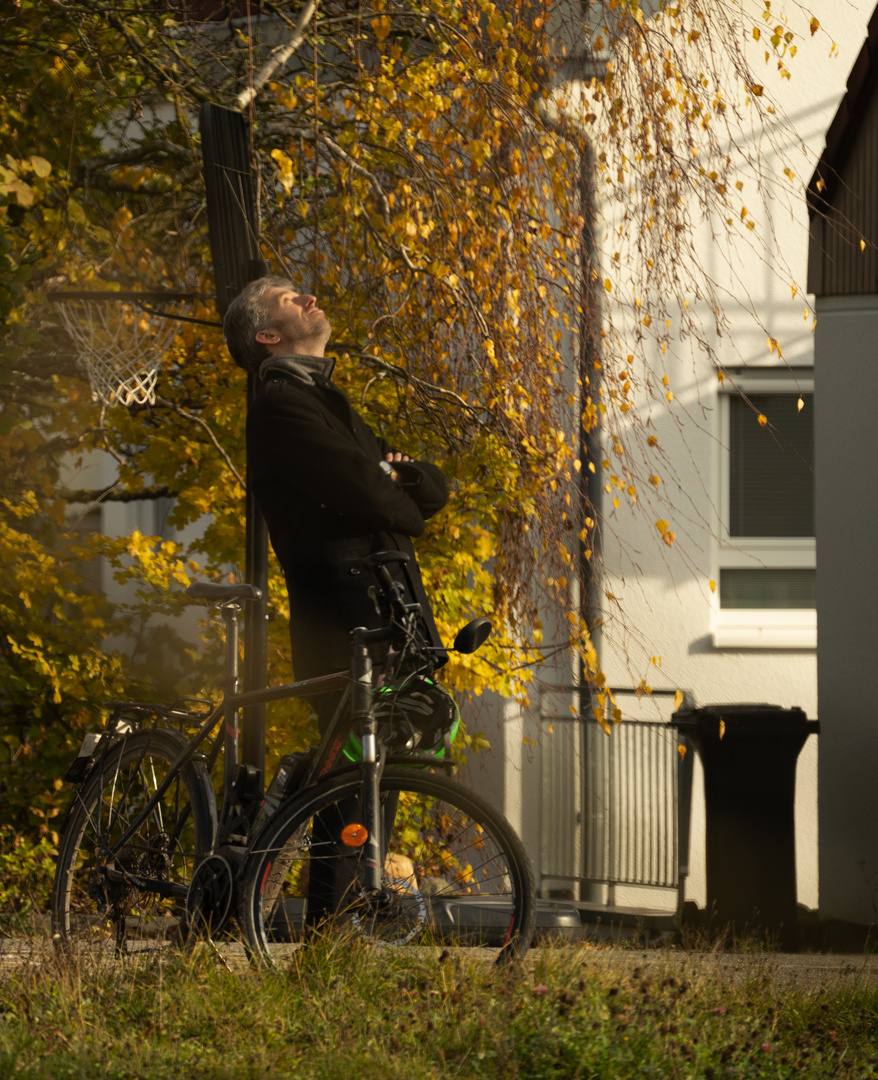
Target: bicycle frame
[{"x": 358, "y": 679}]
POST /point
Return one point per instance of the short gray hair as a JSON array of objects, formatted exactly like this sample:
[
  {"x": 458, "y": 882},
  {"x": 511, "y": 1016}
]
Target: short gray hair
[{"x": 246, "y": 316}]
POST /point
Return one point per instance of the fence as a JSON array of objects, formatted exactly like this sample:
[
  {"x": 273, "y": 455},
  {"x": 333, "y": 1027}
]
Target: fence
[{"x": 615, "y": 808}]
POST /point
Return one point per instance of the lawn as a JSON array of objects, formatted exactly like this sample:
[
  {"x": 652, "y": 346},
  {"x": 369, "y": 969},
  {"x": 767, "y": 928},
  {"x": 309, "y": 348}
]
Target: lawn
[{"x": 343, "y": 1009}]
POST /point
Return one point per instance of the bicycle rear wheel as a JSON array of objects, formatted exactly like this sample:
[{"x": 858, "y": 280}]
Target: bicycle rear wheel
[
  {"x": 455, "y": 871},
  {"x": 132, "y": 898}
]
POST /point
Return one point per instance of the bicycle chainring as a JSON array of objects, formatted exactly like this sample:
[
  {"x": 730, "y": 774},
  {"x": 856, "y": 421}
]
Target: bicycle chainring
[{"x": 213, "y": 893}]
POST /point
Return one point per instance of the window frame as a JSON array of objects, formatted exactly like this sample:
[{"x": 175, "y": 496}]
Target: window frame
[{"x": 759, "y": 628}]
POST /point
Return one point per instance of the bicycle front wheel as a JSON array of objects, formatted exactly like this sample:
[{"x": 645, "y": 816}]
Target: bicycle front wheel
[
  {"x": 454, "y": 869},
  {"x": 131, "y": 897}
]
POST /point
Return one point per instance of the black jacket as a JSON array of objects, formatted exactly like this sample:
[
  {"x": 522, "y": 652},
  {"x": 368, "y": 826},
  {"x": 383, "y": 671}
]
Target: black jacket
[{"x": 315, "y": 469}]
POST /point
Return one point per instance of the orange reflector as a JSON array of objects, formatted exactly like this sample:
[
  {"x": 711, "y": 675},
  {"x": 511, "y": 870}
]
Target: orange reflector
[{"x": 354, "y": 835}]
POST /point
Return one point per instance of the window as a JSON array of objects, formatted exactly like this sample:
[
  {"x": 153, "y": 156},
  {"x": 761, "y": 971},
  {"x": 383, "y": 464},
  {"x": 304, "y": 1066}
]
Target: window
[{"x": 766, "y": 571}]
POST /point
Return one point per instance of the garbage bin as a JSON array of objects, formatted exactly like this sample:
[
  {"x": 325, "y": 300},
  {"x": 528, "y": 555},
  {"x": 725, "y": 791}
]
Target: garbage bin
[{"x": 749, "y": 755}]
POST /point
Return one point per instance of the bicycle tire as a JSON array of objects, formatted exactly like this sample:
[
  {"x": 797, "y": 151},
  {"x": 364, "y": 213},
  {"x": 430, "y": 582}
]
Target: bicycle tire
[
  {"x": 90, "y": 910},
  {"x": 468, "y": 879}
]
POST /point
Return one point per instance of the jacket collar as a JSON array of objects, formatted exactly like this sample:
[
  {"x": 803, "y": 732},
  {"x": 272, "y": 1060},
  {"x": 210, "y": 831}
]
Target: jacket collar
[{"x": 302, "y": 367}]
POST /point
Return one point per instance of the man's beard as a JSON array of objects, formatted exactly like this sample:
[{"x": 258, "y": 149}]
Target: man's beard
[{"x": 316, "y": 338}]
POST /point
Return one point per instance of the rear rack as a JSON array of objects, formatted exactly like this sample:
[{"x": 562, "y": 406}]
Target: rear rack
[{"x": 185, "y": 710}]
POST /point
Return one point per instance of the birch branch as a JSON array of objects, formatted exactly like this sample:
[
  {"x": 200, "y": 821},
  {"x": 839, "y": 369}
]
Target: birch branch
[{"x": 277, "y": 57}]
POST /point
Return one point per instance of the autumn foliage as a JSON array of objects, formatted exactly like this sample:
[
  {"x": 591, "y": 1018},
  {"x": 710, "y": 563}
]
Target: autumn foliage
[{"x": 430, "y": 168}]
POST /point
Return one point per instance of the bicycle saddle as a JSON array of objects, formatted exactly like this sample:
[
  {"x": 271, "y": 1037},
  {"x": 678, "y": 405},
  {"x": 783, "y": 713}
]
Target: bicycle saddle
[{"x": 216, "y": 591}]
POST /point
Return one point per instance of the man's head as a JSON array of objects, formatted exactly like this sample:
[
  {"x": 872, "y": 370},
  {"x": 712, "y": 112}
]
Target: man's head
[{"x": 268, "y": 318}]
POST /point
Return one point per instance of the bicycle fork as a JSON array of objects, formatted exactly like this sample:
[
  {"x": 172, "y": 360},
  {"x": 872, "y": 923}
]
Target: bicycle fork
[{"x": 370, "y": 766}]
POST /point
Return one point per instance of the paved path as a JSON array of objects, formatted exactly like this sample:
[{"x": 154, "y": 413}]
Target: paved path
[{"x": 809, "y": 972}]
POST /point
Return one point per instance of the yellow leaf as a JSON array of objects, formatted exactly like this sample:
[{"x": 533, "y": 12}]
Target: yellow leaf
[
  {"x": 121, "y": 218},
  {"x": 381, "y": 27},
  {"x": 813, "y": 26},
  {"x": 756, "y": 90},
  {"x": 722, "y": 728},
  {"x": 800, "y": 404},
  {"x": 763, "y": 420},
  {"x": 862, "y": 245},
  {"x": 608, "y": 285},
  {"x": 678, "y": 699},
  {"x": 669, "y": 538},
  {"x": 662, "y": 526},
  {"x": 681, "y": 750},
  {"x": 712, "y": 585}
]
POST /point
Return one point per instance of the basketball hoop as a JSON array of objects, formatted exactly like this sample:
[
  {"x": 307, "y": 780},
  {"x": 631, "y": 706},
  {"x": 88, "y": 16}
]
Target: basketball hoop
[{"x": 121, "y": 338}]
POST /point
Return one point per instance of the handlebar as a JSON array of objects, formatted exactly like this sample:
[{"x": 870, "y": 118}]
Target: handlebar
[{"x": 378, "y": 563}]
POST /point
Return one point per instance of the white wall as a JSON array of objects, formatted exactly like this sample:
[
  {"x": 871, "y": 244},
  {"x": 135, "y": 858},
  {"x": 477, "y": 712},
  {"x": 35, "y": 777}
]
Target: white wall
[{"x": 664, "y": 603}]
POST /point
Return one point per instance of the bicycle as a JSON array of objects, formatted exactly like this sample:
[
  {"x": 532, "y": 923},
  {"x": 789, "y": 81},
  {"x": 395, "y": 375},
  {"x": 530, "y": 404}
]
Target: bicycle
[{"x": 146, "y": 859}]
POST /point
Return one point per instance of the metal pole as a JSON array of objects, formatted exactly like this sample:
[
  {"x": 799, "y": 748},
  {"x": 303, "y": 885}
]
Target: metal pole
[
  {"x": 255, "y": 623},
  {"x": 233, "y": 226}
]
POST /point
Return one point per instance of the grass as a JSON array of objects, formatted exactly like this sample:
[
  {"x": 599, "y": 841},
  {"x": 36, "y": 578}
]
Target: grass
[{"x": 347, "y": 1010}]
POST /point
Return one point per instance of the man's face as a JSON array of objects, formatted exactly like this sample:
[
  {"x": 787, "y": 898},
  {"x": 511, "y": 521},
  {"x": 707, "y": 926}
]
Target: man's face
[{"x": 298, "y": 324}]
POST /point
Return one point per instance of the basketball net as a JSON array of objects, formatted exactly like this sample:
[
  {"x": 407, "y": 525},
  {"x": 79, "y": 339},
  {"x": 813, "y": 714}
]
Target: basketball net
[{"x": 121, "y": 343}]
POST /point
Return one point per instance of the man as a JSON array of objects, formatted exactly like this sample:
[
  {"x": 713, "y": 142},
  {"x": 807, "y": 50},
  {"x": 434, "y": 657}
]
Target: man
[{"x": 331, "y": 491}]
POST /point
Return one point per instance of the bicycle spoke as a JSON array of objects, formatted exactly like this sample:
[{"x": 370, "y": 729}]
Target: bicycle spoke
[
  {"x": 101, "y": 896},
  {"x": 453, "y": 869}
]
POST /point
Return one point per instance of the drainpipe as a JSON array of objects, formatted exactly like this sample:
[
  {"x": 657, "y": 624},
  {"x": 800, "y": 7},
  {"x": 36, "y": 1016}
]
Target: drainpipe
[{"x": 589, "y": 452}]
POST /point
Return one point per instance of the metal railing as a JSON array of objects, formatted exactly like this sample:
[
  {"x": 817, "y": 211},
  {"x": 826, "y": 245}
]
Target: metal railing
[{"x": 615, "y": 808}]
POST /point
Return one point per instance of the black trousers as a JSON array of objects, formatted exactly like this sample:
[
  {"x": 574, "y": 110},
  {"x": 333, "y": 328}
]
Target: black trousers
[{"x": 334, "y": 869}]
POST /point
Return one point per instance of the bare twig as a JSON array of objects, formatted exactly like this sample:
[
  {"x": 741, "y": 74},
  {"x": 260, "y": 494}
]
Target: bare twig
[
  {"x": 93, "y": 496},
  {"x": 167, "y": 404},
  {"x": 403, "y": 376},
  {"x": 354, "y": 166}
]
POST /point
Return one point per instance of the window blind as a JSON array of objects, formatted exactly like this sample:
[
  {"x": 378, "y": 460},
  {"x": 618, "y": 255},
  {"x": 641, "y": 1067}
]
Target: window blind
[{"x": 771, "y": 468}]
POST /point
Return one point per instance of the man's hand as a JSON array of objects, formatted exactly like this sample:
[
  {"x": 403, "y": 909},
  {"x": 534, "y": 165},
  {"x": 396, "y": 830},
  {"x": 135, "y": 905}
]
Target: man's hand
[{"x": 390, "y": 458}]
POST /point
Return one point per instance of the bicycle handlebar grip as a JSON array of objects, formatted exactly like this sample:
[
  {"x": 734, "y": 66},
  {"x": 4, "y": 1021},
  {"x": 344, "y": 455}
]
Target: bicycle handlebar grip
[{"x": 379, "y": 558}]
